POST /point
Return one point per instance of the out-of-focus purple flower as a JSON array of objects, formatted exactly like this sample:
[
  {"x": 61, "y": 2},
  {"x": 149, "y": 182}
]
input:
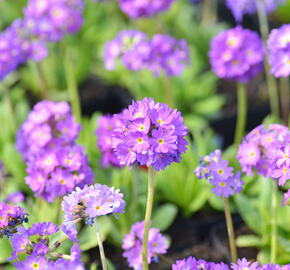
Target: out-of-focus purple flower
[
  {"x": 50, "y": 20},
  {"x": 191, "y": 263},
  {"x": 219, "y": 174},
  {"x": 88, "y": 203},
  {"x": 243, "y": 263},
  {"x": 48, "y": 124},
  {"x": 145, "y": 8},
  {"x": 237, "y": 54},
  {"x": 266, "y": 150},
  {"x": 240, "y": 8},
  {"x": 161, "y": 54},
  {"x": 10, "y": 218},
  {"x": 106, "y": 125},
  {"x": 279, "y": 51},
  {"x": 132, "y": 244},
  {"x": 286, "y": 198},
  {"x": 58, "y": 171},
  {"x": 15, "y": 197}
]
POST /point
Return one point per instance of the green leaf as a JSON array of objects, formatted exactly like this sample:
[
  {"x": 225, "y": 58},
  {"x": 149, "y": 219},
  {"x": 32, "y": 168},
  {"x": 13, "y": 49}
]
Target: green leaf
[
  {"x": 164, "y": 216},
  {"x": 248, "y": 240},
  {"x": 88, "y": 236},
  {"x": 5, "y": 250},
  {"x": 285, "y": 243},
  {"x": 249, "y": 213}
]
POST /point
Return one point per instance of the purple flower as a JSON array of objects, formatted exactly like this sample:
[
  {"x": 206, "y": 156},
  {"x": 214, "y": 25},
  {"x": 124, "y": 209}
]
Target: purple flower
[
  {"x": 104, "y": 135},
  {"x": 237, "y": 54},
  {"x": 32, "y": 262},
  {"x": 132, "y": 244},
  {"x": 286, "y": 198},
  {"x": 51, "y": 20},
  {"x": 266, "y": 150},
  {"x": 15, "y": 197},
  {"x": 48, "y": 124},
  {"x": 145, "y": 8},
  {"x": 279, "y": 51},
  {"x": 88, "y": 203},
  {"x": 161, "y": 54},
  {"x": 10, "y": 218},
  {"x": 241, "y": 7},
  {"x": 244, "y": 264},
  {"x": 159, "y": 140},
  {"x": 219, "y": 174}
]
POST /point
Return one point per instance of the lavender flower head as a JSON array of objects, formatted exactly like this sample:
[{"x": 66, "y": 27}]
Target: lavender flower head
[
  {"x": 50, "y": 20},
  {"x": 279, "y": 51},
  {"x": 150, "y": 134},
  {"x": 219, "y": 174},
  {"x": 136, "y": 51},
  {"x": 48, "y": 124},
  {"x": 240, "y": 8},
  {"x": 192, "y": 263},
  {"x": 145, "y": 8},
  {"x": 10, "y": 218},
  {"x": 58, "y": 171},
  {"x": 237, "y": 54},
  {"x": 15, "y": 197},
  {"x": 88, "y": 203},
  {"x": 106, "y": 124},
  {"x": 37, "y": 244},
  {"x": 132, "y": 244}
]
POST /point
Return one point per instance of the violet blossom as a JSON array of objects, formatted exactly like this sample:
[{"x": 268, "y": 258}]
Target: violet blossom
[
  {"x": 161, "y": 54},
  {"x": 88, "y": 203},
  {"x": 279, "y": 51},
  {"x": 237, "y": 54},
  {"x": 150, "y": 134},
  {"x": 132, "y": 245},
  {"x": 219, "y": 174}
]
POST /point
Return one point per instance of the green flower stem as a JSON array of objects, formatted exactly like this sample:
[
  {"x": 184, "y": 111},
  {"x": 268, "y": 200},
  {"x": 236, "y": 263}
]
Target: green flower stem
[
  {"x": 42, "y": 80},
  {"x": 241, "y": 113},
  {"x": 285, "y": 99},
  {"x": 209, "y": 10},
  {"x": 72, "y": 85},
  {"x": 8, "y": 102},
  {"x": 101, "y": 248},
  {"x": 149, "y": 205},
  {"x": 274, "y": 205},
  {"x": 230, "y": 229},
  {"x": 168, "y": 91},
  {"x": 271, "y": 82}
]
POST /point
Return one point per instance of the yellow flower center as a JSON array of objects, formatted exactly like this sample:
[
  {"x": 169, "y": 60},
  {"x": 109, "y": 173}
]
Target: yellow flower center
[
  {"x": 35, "y": 265},
  {"x": 140, "y": 140},
  {"x": 159, "y": 121},
  {"x": 220, "y": 171},
  {"x": 161, "y": 141},
  {"x": 222, "y": 184},
  {"x": 98, "y": 207}
]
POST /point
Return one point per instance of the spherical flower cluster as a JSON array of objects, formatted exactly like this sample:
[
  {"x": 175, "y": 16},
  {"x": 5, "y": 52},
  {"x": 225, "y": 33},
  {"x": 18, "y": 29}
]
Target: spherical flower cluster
[
  {"x": 58, "y": 171},
  {"x": 267, "y": 151},
  {"x": 106, "y": 124},
  {"x": 219, "y": 174},
  {"x": 88, "y": 203},
  {"x": 50, "y": 20},
  {"x": 10, "y": 218},
  {"x": 36, "y": 243},
  {"x": 279, "y": 51},
  {"x": 237, "y": 54},
  {"x": 132, "y": 244},
  {"x": 240, "y": 8},
  {"x": 150, "y": 134},
  {"x": 48, "y": 124},
  {"x": 160, "y": 54},
  {"x": 145, "y": 8},
  {"x": 15, "y": 197},
  {"x": 56, "y": 164},
  {"x": 192, "y": 264}
]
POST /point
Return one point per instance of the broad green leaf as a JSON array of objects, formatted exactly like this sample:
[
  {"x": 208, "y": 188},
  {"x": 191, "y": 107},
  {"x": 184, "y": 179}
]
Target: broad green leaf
[
  {"x": 164, "y": 216},
  {"x": 248, "y": 240}
]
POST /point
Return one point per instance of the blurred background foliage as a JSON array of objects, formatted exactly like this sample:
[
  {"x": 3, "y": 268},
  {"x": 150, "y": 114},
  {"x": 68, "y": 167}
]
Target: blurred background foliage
[{"x": 195, "y": 94}]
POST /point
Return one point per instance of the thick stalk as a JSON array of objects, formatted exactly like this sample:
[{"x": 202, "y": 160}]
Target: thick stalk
[
  {"x": 209, "y": 10},
  {"x": 274, "y": 223},
  {"x": 72, "y": 86},
  {"x": 285, "y": 99},
  {"x": 149, "y": 205},
  {"x": 271, "y": 82},
  {"x": 241, "y": 113},
  {"x": 230, "y": 229},
  {"x": 168, "y": 91},
  {"x": 8, "y": 102},
  {"x": 101, "y": 248},
  {"x": 42, "y": 81}
]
